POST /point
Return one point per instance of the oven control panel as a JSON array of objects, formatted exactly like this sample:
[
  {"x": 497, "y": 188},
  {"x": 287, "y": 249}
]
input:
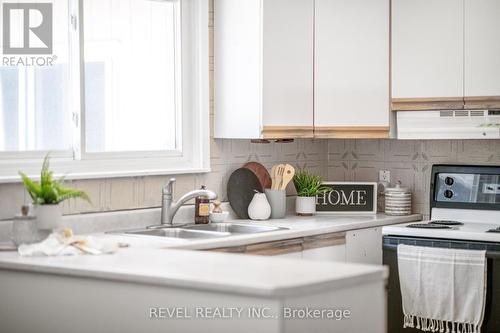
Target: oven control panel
[{"x": 467, "y": 188}]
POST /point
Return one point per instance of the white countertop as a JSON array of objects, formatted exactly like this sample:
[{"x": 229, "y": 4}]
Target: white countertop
[
  {"x": 221, "y": 272},
  {"x": 152, "y": 260},
  {"x": 472, "y": 231}
]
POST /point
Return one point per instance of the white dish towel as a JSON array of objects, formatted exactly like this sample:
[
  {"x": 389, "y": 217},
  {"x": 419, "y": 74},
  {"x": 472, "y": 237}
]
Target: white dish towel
[
  {"x": 64, "y": 243},
  {"x": 443, "y": 290}
]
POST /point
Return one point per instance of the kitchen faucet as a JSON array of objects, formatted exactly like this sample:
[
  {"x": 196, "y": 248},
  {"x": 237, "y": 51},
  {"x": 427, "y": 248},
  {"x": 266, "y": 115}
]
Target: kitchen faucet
[{"x": 170, "y": 208}]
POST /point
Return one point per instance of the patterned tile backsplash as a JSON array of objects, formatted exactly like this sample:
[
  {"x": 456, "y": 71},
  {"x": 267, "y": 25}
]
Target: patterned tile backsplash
[
  {"x": 409, "y": 161},
  {"x": 338, "y": 160}
]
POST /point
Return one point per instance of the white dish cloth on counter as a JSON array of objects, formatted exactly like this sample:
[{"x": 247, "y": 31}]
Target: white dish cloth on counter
[
  {"x": 63, "y": 243},
  {"x": 442, "y": 290}
]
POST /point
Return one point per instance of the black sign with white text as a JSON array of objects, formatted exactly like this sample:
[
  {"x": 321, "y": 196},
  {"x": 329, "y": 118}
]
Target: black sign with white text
[{"x": 348, "y": 197}]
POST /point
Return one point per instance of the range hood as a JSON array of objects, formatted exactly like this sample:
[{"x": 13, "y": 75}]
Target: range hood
[{"x": 448, "y": 124}]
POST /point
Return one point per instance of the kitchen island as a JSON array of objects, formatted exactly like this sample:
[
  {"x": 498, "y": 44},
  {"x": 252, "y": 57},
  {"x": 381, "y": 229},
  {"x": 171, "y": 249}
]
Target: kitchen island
[{"x": 162, "y": 290}]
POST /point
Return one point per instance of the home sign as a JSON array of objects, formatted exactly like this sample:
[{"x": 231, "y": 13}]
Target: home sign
[{"x": 348, "y": 197}]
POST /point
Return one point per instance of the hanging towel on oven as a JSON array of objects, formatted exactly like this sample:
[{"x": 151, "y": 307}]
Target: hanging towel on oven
[{"x": 442, "y": 290}]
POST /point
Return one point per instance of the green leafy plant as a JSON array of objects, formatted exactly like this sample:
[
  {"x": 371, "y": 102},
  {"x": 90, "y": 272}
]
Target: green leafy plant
[
  {"x": 308, "y": 185},
  {"x": 49, "y": 191}
]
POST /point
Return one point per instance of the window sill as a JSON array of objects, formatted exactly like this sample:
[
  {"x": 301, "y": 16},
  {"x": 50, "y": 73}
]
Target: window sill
[{"x": 111, "y": 174}]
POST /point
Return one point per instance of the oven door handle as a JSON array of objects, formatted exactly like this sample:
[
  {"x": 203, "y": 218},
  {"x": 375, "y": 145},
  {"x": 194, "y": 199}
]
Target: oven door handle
[{"x": 490, "y": 254}]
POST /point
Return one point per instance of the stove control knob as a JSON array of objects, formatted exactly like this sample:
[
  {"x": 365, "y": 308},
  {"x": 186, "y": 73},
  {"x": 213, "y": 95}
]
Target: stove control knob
[
  {"x": 449, "y": 181},
  {"x": 448, "y": 194}
]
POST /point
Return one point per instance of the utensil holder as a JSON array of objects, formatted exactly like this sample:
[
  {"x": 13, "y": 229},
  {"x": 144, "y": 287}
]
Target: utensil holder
[{"x": 277, "y": 200}]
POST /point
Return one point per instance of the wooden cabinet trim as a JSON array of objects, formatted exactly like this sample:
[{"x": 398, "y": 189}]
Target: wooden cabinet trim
[
  {"x": 287, "y": 132},
  {"x": 325, "y": 132},
  {"x": 276, "y": 247},
  {"x": 425, "y": 104},
  {"x": 445, "y": 103},
  {"x": 482, "y": 102},
  {"x": 287, "y": 245},
  {"x": 230, "y": 249},
  {"x": 325, "y": 240},
  {"x": 348, "y": 132}
]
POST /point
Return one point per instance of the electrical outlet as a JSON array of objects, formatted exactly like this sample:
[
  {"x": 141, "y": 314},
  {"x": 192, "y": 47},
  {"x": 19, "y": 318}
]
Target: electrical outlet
[{"x": 384, "y": 176}]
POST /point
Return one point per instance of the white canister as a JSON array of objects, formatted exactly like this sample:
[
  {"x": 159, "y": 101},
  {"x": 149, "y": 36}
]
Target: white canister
[
  {"x": 259, "y": 208},
  {"x": 48, "y": 216},
  {"x": 24, "y": 229},
  {"x": 397, "y": 200},
  {"x": 305, "y": 206}
]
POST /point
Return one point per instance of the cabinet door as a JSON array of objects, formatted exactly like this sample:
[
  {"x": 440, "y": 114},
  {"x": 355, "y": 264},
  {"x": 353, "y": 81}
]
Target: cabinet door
[
  {"x": 325, "y": 247},
  {"x": 351, "y": 97},
  {"x": 237, "y": 75},
  {"x": 293, "y": 255},
  {"x": 427, "y": 49},
  {"x": 482, "y": 50},
  {"x": 328, "y": 253},
  {"x": 364, "y": 246},
  {"x": 288, "y": 68}
]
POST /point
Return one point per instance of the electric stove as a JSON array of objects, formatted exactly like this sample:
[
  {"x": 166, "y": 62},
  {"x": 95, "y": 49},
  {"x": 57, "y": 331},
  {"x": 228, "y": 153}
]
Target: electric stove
[
  {"x": 465, "y": 205},
  {"x": 465, "y": 214}
]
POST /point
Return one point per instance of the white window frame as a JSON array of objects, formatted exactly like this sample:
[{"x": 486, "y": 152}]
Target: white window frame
[{"x": 192, "y": 144}]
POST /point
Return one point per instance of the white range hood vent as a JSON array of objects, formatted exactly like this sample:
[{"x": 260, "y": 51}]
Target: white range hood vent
[{"x": 448, "y": 124}]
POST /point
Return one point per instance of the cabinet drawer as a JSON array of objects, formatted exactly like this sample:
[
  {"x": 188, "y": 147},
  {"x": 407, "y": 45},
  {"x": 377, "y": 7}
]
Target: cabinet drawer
[{"x": 275, "y": 248}]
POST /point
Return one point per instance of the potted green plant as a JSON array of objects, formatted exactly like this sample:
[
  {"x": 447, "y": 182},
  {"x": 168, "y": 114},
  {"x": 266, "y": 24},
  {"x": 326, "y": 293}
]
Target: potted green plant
[
  {"x": 308, "y": 186},
  {"x": 47, "y": 195}
]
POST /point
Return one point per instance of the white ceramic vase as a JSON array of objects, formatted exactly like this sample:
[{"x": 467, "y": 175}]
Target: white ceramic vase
[
  {"x": 305, "y": 206},
  {"x": 259, "y": 208},
  {"x": 48, "y": 217}
]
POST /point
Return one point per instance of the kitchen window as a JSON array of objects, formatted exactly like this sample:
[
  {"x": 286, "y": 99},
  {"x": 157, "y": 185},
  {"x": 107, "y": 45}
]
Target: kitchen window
[{"x": 127, "y": 93}]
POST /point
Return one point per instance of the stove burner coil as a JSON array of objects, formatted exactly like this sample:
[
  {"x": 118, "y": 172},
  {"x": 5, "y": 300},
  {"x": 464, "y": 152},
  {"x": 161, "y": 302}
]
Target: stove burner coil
[
  {"x": 428, "y": 226},
  {"x": 446, "y": 222}
]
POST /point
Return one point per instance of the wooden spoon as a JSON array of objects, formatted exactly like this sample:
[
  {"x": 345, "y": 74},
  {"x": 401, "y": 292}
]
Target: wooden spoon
[
  {"x": 288, "y": 174},
  {"x": 280, "y": 170},
  {"x": 273, "y": 176}
]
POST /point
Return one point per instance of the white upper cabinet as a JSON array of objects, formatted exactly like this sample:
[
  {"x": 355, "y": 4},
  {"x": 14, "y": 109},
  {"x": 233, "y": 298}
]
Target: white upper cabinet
[
  {"x": 445, "y": 54},
  {"x": 482, "y": 49},
  {"x": 427, "y": 49},
  {"x": 288, "y": 58},
  {"x": 263, "y": 53},
  {"x": 301, "y": 68},
  {"x": 351, "y": 91}
]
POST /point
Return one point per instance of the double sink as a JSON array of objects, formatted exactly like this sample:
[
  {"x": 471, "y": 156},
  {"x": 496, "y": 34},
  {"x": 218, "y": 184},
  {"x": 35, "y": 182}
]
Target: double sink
[{"x": 203, "y": 231}]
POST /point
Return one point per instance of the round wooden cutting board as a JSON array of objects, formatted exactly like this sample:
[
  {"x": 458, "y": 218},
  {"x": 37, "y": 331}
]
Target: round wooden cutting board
[{"x": 261, "y": 172}]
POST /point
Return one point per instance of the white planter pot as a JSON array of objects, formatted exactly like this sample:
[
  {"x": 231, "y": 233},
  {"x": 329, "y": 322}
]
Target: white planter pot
[
  {"x": 48, "y": 216},
  {"x": 305, "y": 206}
]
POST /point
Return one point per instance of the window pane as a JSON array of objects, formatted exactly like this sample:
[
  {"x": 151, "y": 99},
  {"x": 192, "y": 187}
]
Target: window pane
[
  {"x": 34, "y": 100},
  {"x": 130, "y": 85}
]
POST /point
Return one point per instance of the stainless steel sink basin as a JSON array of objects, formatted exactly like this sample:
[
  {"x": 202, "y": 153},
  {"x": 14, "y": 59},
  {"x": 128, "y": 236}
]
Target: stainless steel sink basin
[
  {"x": 233, "y": 228},
  {"x": 178, "y": 233},
  {"x": 200, "y": 231}
]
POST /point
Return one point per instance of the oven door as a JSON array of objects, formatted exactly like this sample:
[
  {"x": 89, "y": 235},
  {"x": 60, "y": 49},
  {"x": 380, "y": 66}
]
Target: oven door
[{"x": 491, "y": 322}]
